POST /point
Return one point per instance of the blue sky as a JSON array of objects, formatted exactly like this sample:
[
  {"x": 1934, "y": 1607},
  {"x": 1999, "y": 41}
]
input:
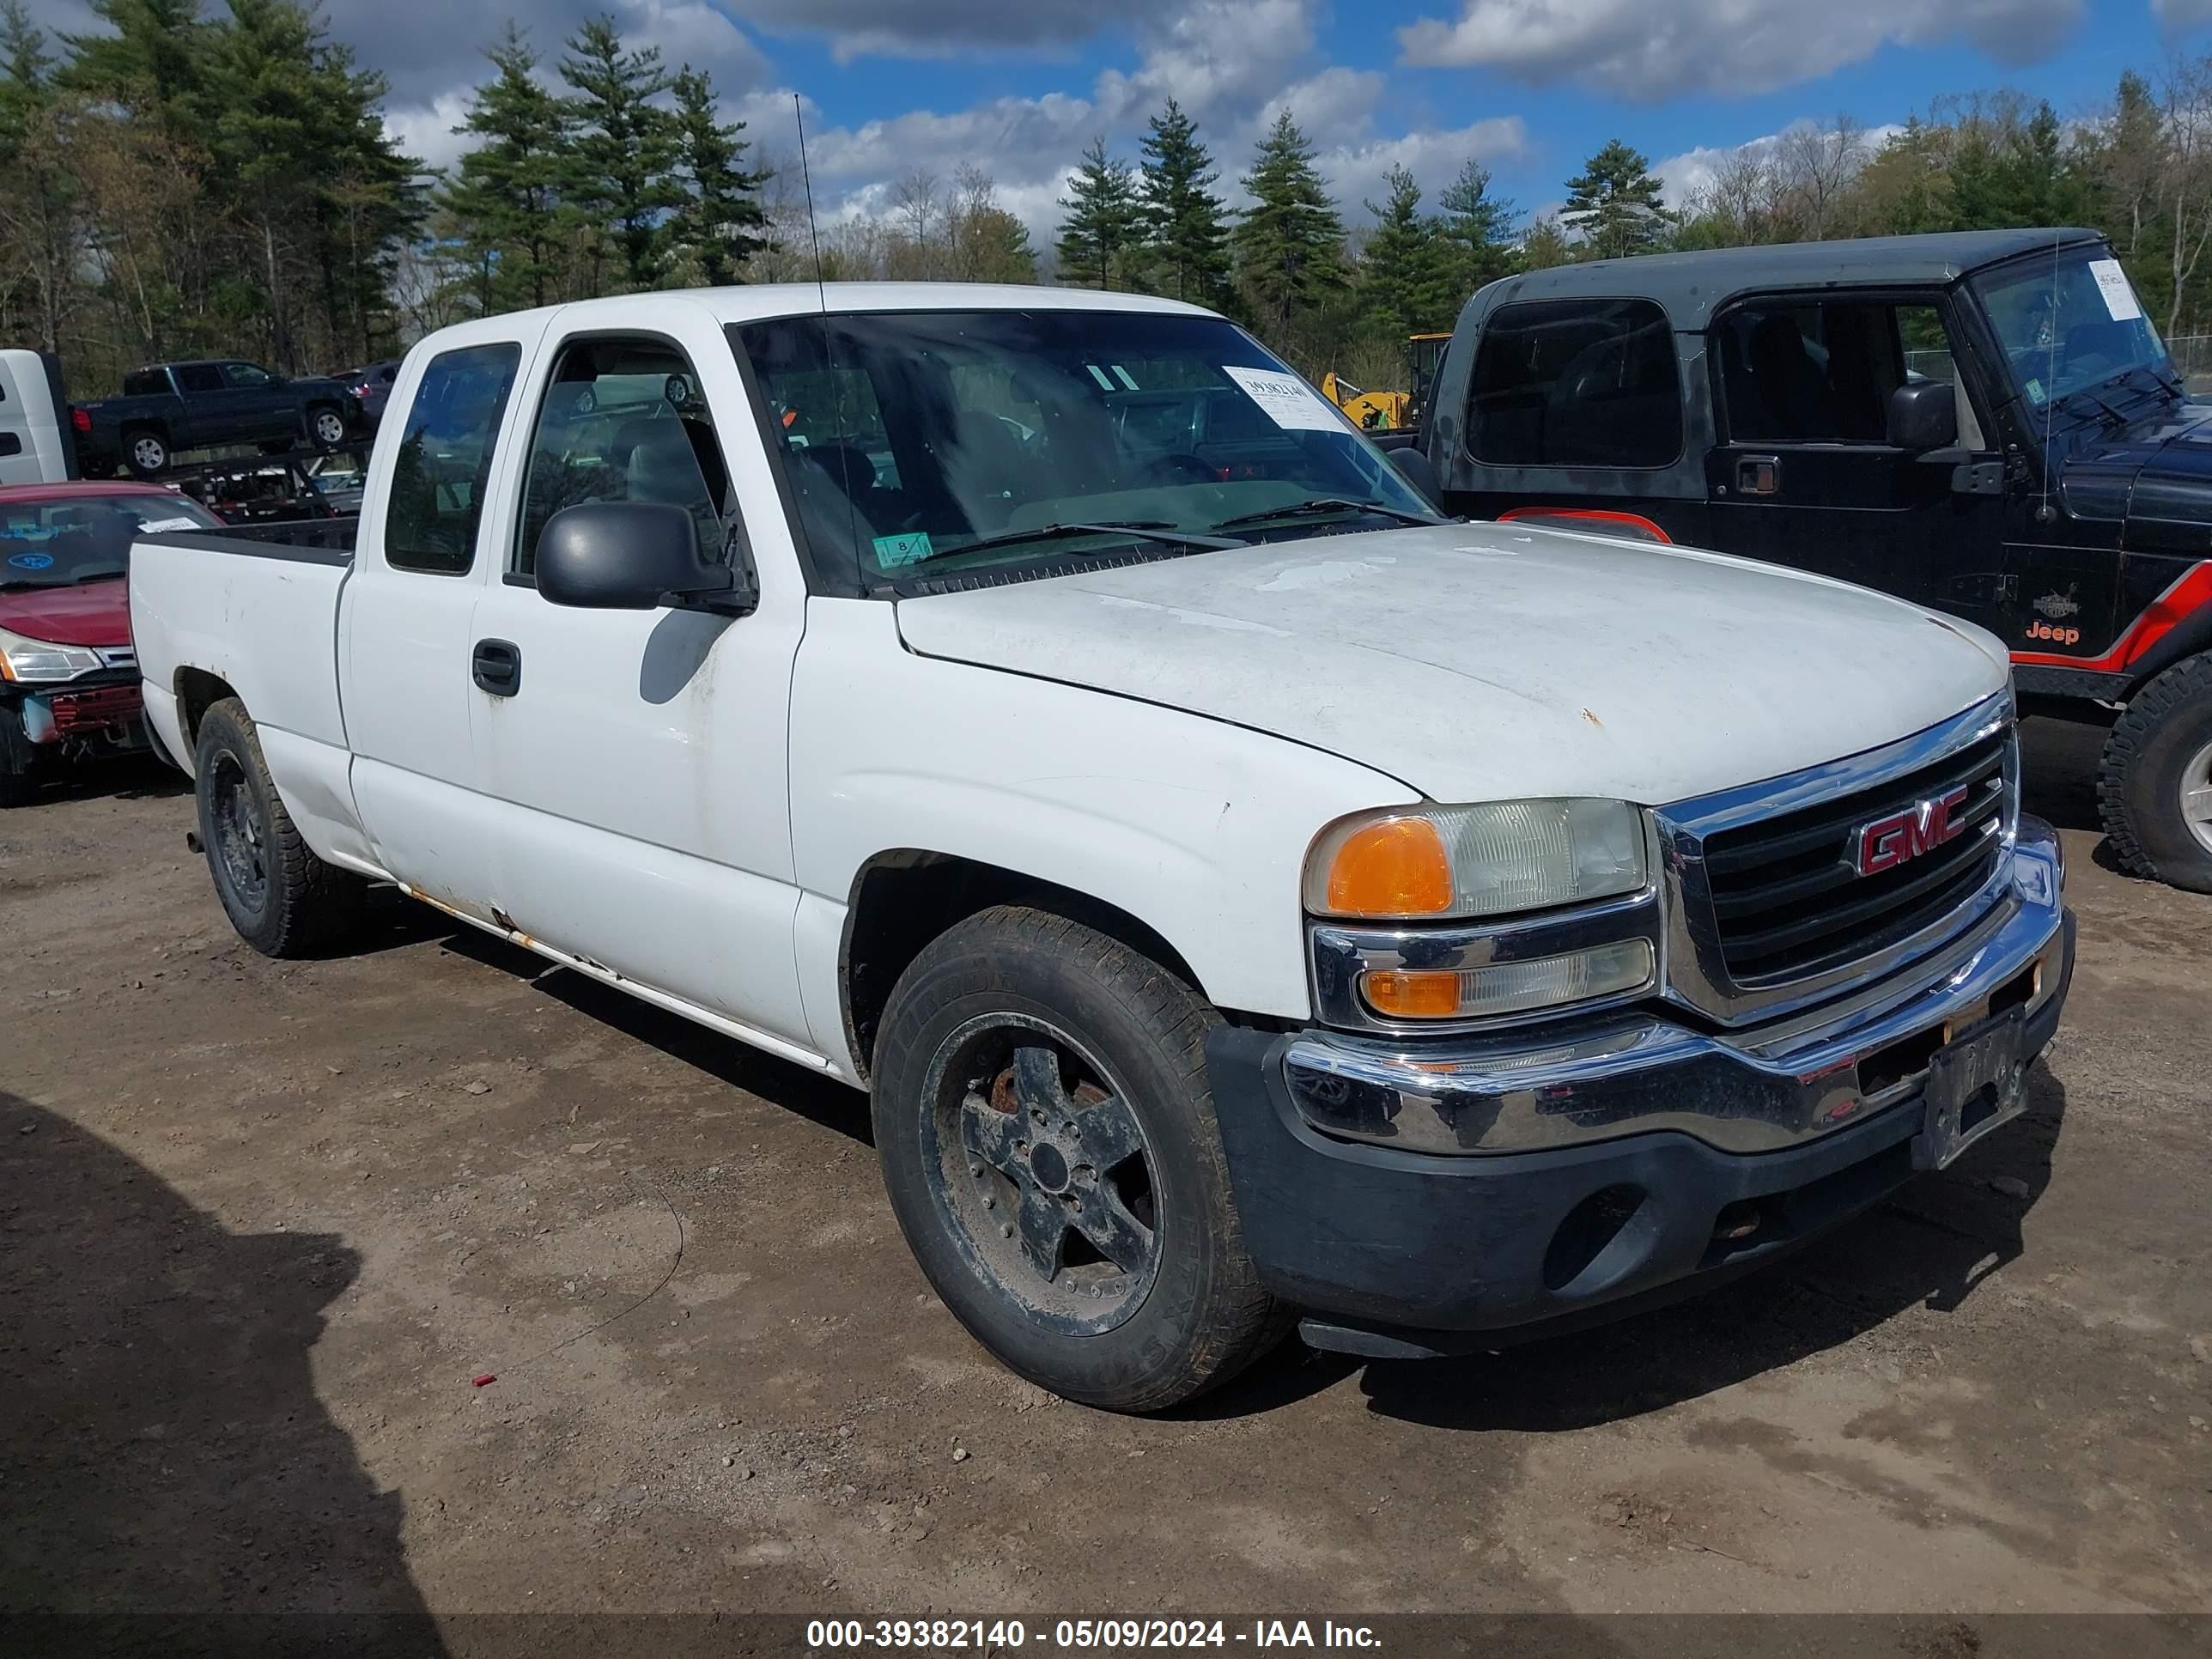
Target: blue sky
[{"x": 1530, "y": 86}]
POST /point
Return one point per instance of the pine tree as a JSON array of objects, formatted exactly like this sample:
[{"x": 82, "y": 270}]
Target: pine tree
[
  {"x": 1289, "y": 242},
  {"x": 41, "y": 208},
  {"x": 720, "y": 224},
  {"x": 1408, "y": 280},
  {"x": 622, "y": 158},
  {"x": 1477, "y": 226},
  {"x": 150, "y": 65},
  {"x": 1101, "y": 230},
  {"x": 1186, "y": 233},
  {"x": 507, "y": 201},
  {"x": 1615, "y": 204}
]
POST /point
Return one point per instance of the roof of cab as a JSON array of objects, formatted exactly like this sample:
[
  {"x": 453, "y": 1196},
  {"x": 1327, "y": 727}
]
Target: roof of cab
[{"x": 1689, "y": 285}]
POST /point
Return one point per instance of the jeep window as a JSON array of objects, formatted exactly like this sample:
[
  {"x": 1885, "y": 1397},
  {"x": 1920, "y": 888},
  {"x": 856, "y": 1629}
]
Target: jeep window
[
  {"x": 1824, "y": 373},
  {"x": 1575, "y": 383},
  {"x": 911, "y": 439},
  {"x": 2071, "y": 323}
]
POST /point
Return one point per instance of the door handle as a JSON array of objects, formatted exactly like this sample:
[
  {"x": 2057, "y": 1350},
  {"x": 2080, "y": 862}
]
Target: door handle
[
  {"x": 497, "y": 667},
  {"x": 1758, "y": 475}
]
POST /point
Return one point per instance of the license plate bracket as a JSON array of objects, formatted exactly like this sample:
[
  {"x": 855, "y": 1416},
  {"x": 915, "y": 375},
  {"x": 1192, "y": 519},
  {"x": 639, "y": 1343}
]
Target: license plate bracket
[{"x": 1976, "y": 1083}]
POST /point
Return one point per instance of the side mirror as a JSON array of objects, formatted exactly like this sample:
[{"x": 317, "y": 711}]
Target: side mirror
[
  {"x": 1923, "y": 415},
  {"x": 634, "y": 556},
  {"x": 1413, "y": 465}
]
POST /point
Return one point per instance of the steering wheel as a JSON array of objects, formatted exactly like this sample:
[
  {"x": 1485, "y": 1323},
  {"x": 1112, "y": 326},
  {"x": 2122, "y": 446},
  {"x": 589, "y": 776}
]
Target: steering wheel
[{"x": 1183, "y": 469}]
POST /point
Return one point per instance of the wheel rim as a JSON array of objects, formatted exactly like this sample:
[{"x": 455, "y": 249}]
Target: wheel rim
[
  {"x": 2197, "y": 796},
  {"x": 1043, "y": 1173},
  {"x": 239, "y": 840},
  {"x": 148, "y": 453},
  {"x": 329, "y": 427}
]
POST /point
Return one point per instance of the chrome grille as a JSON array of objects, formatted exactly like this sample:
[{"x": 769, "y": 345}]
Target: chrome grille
[
  {"x": 1788, "y": 902},
  {"x": 1768, "y": 916}
]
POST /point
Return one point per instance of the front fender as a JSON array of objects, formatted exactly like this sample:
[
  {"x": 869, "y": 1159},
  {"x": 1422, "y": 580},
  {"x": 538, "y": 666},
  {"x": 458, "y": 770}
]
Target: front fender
[{"x": 1197, "y": 827}]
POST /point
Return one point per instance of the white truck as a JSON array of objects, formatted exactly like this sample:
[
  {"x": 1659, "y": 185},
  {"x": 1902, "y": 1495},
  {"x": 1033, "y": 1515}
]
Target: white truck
[{"x": 1247, "y": 897}]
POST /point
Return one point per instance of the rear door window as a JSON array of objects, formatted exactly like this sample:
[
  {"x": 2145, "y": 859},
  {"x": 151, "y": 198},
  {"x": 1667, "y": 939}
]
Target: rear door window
[
  {"x": 145, "y": 383},
  {"x": 438, "y": 481},
  {"x": 1575, "y": 383},
  {"x": 199, "y": 377}
]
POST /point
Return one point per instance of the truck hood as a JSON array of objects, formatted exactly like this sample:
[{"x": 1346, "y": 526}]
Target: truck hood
[
  {"x": 96, "y": 612},
  {"x": 2153, "y": 469},
  {"x": 1482, "y": 661}
]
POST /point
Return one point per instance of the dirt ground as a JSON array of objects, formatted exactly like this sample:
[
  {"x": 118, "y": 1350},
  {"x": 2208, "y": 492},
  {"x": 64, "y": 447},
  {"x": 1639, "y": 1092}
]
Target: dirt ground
[{"x": 260, "y": 1225}]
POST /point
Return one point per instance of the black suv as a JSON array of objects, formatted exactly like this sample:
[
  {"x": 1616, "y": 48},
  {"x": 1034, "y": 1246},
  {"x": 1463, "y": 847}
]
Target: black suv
[{"x": 1985, "y": 422}]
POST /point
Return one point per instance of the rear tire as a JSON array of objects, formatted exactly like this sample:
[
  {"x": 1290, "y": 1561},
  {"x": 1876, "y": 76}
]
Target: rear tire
[
  {"x": 282, "y": 900},
  {"x": 19, "y": 783},
  {"x": 1048, "y": 1141},
  {"x": 145, "y": 453},
  {"x": 326, "y": 426},
  {"x": 2155, "y": 786}
]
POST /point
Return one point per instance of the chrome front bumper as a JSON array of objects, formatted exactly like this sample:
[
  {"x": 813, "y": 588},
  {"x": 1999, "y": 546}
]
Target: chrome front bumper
[{"x": 1759, "y": 1090}]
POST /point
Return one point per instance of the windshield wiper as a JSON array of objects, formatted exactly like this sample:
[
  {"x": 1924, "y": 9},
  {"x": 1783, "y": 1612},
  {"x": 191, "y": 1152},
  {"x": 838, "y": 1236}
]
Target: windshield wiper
[
  {"x": 1146, "y": 530},
  {"x": 1327, "y": 504}
]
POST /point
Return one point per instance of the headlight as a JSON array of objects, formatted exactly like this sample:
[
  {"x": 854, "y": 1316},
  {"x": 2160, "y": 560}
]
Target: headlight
[
  {"x": 35, "y": 660},
  {"x": 1497, "y": 859}
]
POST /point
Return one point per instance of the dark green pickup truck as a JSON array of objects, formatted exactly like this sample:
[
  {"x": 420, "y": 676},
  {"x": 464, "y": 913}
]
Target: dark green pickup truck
[{"x": 166, "y": 407}]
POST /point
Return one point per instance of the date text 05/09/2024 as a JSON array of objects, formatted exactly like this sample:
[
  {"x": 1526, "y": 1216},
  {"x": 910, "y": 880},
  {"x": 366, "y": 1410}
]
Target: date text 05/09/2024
[{"x": 932, "y": 1635}]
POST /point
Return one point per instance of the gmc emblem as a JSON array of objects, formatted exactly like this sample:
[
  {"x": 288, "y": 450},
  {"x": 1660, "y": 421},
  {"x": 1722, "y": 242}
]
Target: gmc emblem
[{"x": 1903, "y": 836}]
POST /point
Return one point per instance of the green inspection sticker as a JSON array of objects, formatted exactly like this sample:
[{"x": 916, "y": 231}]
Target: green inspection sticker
[{"x": 892, "y": 551}]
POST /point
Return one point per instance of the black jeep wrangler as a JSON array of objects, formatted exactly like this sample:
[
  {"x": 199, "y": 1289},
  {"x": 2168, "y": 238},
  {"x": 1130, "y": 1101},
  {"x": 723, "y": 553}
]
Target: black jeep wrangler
[{"x": 1985, "y": 422}]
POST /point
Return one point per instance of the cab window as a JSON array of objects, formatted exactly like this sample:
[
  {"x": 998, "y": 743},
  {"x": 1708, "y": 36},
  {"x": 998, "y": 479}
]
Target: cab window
[
  {"x": 1824, "y": 373},
  {"x": 445, "y": 458},
  {"x": 1575, "y": 383},
  {"x": 248, "y": 376},
  {"x": 199, "y": 377},
  {"x": 623, "y": 420}
]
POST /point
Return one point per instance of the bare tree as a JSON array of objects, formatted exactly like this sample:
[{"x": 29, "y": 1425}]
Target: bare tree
[
  {"x": 2186, "y": 186},
  {"x": 1815, "y": 166}
]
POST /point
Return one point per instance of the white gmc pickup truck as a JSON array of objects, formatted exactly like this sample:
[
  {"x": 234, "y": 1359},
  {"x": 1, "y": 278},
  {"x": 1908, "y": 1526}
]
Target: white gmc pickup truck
[{"x": 1247, "y": 897}]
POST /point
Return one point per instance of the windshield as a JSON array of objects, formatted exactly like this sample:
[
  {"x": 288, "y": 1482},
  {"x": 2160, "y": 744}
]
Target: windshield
[
  {"x": 60, "y": 543},
  {"x": 944, "y": 444},
  {"x": 2070, "y": 323}
]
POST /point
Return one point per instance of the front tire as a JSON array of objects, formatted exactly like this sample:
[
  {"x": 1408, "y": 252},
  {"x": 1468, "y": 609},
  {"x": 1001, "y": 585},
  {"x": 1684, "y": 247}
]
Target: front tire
[
  {"x": 19, "y": 786},
  {"x": 326, "y": 426},
  {"x": 145, "y": 453},
  {"x": 2155, "y": 786},
  {"x": 282, "y": 900},
  {"x": 1048, "y": 1142}
]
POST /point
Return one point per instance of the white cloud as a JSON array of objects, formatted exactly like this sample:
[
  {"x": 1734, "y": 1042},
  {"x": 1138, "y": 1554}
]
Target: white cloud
[
  {"x": 1694, "y": 171},
  {"x": 1650, "y": 50}
]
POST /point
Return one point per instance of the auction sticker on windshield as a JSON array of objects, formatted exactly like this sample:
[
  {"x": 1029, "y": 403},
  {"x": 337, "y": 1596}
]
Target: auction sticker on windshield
[
  {"x": 1287, "y": 401},
  {"x": 892, "y": 551},
  {"x": 2112, "y": 284}
]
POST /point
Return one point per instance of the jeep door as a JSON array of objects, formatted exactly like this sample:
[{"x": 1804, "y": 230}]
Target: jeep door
[{"x": 1805, "y": 473}]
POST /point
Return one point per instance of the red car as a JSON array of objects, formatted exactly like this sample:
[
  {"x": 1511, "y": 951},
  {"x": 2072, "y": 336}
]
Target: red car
[{"x": 68, "y": 679}]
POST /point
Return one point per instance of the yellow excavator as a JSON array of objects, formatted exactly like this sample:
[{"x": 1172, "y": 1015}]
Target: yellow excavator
[{"x": 1389, "y": 411}]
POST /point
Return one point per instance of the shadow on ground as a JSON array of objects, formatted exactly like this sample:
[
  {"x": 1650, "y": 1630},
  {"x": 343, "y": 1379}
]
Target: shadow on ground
[
  {"x": 814, "y": 1096},
  {"x": 172, "y": 1482}
]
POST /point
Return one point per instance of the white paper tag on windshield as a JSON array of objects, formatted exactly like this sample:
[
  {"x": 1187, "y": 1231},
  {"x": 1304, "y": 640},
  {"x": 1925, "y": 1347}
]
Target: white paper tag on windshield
[
  {"x": 163, "y": 526},
  {"x": 1289, "y": 402},
  {"x": 2112, "y": 283}
]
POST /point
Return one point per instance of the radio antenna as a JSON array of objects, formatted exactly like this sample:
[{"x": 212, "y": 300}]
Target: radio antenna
[{"x": 806, "y": 177}]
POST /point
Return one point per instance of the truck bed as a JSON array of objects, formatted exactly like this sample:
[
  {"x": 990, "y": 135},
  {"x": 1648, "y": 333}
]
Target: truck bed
[{"x": 253, "y": 612}]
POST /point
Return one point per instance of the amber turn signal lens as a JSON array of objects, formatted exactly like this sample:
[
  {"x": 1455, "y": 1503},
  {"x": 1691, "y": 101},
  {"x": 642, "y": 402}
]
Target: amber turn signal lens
[
  {"x": 1395, "y": 867},
  {"x": 1399, "y": 995}
]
